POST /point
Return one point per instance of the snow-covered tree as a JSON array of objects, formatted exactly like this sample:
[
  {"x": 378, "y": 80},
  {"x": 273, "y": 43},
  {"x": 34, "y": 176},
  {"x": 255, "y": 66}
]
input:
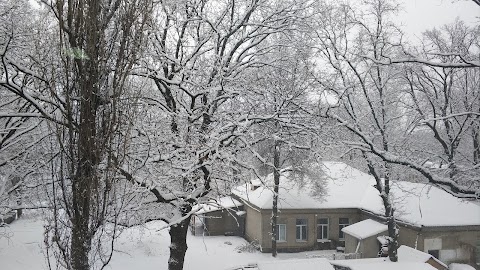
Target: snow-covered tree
[
  {"x": 456, "y": 59},
  {"x": 285, "y": 129},
  {"x": 200, "y": 62},
  {"x": 72, "y": 72},
  {"x": 366, "y": 95},
  {"x": 445, "y": 103},
  {"x": 19, "y": 125}
]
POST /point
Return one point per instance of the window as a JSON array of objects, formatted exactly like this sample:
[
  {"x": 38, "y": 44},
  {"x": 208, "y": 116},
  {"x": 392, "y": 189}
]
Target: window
[
  {"x": 322, "y": 229},
  {"x": 435, "y": 253},
  {"x": 281, "y": 233},
  {"x": 301, "y": 226},
  {"x": 342, "y": 223}
]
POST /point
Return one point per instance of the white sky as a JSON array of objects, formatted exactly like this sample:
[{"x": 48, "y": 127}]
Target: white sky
[{"x": 421, "y": 15}]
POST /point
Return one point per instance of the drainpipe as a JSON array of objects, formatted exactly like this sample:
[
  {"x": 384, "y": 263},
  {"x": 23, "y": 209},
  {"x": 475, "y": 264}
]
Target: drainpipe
[
  {"x": 358, "y": 246},
  {"x": 418, "y": 234}
]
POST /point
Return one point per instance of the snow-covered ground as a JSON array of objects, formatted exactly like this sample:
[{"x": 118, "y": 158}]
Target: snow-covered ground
[{"x": 142, "y": 248}]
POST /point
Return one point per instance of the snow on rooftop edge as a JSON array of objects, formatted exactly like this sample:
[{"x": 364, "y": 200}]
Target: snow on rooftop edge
[
  {"x": 226, "y": 202},
  {"x": 365, "y": 229}
]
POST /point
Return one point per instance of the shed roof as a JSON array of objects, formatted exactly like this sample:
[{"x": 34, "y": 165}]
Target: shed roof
[
  {"x": 365, "y": 229},
  {"x": 226, "y": 202},
  {"x": 406, "y": 253}
]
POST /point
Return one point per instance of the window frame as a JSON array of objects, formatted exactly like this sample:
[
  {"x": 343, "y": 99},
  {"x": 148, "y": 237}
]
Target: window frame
[
  {"x": 300, "y": 228},
  {"x": 341, "y": 235},
  {"x": 320, "y": 227},
  {"x": 277, "y": 237}
]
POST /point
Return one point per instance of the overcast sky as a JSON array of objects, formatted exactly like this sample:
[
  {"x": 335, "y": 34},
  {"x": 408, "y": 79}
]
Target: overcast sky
[{"x": 421, "y": 15}]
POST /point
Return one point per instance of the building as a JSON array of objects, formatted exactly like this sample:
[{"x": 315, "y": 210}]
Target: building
[
  {"x": 224, "y": 216},
  {"x": 365, "y": 237},
  {"x": 311, "y": 216},
  {"x": 314, "y": 209}
]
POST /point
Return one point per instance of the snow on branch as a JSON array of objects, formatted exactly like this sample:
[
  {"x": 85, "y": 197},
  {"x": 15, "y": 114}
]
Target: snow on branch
[
  {"x": 449, "y": 116},
  {"x": 9, "y": 115},
  {"x": 463, "y": 64}
]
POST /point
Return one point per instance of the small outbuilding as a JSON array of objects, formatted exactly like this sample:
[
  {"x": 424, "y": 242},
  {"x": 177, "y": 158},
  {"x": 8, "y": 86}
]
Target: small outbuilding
[
  {"x": 223, "y": 216},
  {"x": 361, "y": 237}
]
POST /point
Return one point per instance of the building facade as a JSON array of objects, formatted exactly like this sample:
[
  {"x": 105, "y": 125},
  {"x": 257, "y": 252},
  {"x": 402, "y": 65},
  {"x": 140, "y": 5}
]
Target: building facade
[{"x": 430, "y": 219}]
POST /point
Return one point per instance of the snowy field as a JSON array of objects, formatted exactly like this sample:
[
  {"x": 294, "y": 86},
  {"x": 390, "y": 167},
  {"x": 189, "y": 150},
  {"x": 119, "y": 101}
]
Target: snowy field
[{"x": 140, "y": 248}]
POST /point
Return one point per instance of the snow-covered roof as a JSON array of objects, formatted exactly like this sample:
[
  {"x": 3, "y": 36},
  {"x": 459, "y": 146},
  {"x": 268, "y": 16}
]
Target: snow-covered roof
[
  {"x": 298, "y": 264},
  {"x": 460, "y": 266},
  {"x": 342, "y": 186},
  {"x": 365, "y": 229},
  {"x": 378, "y": 264},
  {"x": 218, "y": 204},
  {"x": 427, "y": 205},
  {"x": 408, "y": 254},
  {"x": 408, "y": 258},
  {"x": 338, "y": 185}
]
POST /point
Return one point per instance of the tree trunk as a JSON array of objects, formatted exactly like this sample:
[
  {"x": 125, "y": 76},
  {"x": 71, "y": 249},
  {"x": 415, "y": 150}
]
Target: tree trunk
[
  {"x": 178, "y": 246},
  {"x": 393, "y": 234},
  {"x": 391, "y": 224},
  {"x": 476, "y": 143},
  {"x": 276, "y": 180},
  {"x": 80, "y": 246},
  {"x": 384, "y": 190}
]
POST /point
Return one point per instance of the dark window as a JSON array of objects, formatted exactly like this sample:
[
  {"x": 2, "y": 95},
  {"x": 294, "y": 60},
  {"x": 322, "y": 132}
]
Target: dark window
[
  {"x": 434, "y": 252},
  {"x": 322, "y": 229},
  {"x": 301, "y": 227},
  {"x": 342, "y": 223}
]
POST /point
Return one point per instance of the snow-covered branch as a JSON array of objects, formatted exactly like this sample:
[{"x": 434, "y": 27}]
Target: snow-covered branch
[{"x": 460, "y": 64}]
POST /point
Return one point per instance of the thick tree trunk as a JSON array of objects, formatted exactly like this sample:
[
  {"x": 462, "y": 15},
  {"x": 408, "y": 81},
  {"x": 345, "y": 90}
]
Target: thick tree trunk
[
  {"x": 393, "y": 234},
  {"x": 276, "y": 180},
  {"x": 178, "y": 246},
  {"x": 80, "y": 246},
  {"x": 85, "y": 181},
  {"x": 391, "y": 224}
]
